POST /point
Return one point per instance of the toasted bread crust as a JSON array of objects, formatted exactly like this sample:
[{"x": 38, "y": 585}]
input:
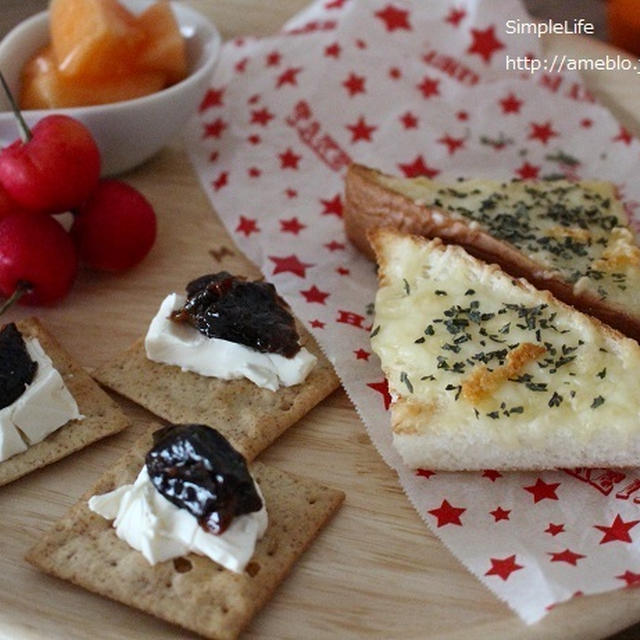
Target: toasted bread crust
[{"x": 370, "y": 205}]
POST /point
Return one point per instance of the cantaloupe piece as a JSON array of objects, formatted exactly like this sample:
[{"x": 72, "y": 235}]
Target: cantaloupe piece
[
  {"x": 94, "y": 38},
  {"x": 165, "y": 49},
  {"x": 45, "y": 87}
]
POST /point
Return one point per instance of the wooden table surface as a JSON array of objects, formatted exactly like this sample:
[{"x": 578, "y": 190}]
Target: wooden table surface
[{"x": 376, "y": 571}]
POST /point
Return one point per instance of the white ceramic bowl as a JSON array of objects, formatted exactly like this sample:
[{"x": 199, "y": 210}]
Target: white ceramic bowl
[{"x": 131, "y": 131}]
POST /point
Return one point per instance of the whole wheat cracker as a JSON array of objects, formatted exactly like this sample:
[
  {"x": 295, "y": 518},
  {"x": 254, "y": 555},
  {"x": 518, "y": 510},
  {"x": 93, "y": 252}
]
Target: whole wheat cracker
[
  {"x": 193, "y": 592},
  {"x": 250, "y": 417},
  {"x": 102, "y": 417}
]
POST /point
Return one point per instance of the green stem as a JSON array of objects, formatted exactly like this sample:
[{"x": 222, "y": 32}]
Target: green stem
[
  {"x": 22, "y": 287},
  {"x": 25, "y": 132}
]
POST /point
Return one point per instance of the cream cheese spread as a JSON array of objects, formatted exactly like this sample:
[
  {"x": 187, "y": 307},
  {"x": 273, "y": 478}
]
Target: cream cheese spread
[
  {"x": 45, "y": 406},
  {"x": 184, "y": 346},
  {"x": 160, "y": 530}
]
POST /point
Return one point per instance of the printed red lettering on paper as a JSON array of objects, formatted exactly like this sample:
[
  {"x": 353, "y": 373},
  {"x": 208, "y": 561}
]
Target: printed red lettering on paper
[
  {"x": 348, "y": 317},
  {"x": 453, "y": 67},
  {"x": 310, "y": 132},
  {"x": 603, "y": 480},
  {"x": 313, "y": 25}
]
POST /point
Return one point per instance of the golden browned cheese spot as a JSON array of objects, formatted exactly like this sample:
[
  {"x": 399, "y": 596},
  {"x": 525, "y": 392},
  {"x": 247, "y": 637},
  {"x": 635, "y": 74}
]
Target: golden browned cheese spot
[
  {"x": 482, "y": 382},
  {"x": 617, "y": 257},
  {"x": 408, "y": 415},
  {"x": 582, "y": 235}
]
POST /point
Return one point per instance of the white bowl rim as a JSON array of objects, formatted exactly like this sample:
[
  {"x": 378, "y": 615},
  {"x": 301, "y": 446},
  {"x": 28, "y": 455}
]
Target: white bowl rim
[{"x": 212, "y": 40}]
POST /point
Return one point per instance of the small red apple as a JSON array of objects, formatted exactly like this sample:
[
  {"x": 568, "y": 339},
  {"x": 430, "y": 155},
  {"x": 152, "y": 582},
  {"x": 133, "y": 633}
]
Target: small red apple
[
  {"x": 115, "y": 228},
  {"x": 55, "y": 169},
  {"x": 36, "y": 255}
]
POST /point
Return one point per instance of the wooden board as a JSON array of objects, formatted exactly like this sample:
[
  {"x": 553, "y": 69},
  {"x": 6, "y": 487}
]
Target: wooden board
[{"x": 376, "y": 571}]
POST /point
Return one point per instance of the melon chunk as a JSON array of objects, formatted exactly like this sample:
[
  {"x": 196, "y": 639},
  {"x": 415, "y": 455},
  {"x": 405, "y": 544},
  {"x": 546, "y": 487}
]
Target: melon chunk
[
  {"x": 165, "y": 48},
  {"x": 45, "y": 87},
  {"x": 94, "y": 38}
]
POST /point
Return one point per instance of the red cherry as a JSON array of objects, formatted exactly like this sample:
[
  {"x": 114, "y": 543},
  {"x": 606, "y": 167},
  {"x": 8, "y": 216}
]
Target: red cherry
[
  {"x": 36, "y": 253},
  {"x": 55, "y": 170},
  {"x": 115, "y": 228},
  {"x": 7, "y": 205}
]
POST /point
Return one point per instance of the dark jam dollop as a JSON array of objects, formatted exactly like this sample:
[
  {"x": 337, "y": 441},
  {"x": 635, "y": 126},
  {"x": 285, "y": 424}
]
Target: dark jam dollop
[
  {"x": 17, "y": 369},
  {"x": 194, "y": 467},
  {"x": 220, "y": 305}
]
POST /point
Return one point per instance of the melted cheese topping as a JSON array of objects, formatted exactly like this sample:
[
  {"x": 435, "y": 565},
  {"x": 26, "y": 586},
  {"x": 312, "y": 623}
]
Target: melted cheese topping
[
  {"x": 577, "y": 231},
  {"x": 466, "y": 347}
]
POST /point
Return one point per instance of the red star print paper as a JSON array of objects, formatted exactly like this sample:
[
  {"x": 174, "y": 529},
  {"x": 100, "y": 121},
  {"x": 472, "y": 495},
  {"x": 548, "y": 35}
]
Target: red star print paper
[{"x": 416, "y": 88}]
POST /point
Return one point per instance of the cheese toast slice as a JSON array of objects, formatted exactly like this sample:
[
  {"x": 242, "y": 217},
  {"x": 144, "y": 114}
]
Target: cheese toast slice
[
  {"x": 570, "y": 238},
  {"x": 487, "y": 372}
]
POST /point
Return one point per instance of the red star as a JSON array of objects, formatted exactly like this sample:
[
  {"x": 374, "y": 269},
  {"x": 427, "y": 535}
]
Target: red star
[
  {"x": 290, "y": 264},
  {"x": 452, "y": 144},
  {"x": 623, "y": 136},
  {"x": 220, "y": 181},
  {"x": 317, "y": 324},
  {"x": 332, "y": 50},
  {"x": 395, "y": 73},
  {"x": 361, "y": 44},
  {"x": 462, "y": 115},
  {"x": 288, "y": 77},
  {"x": 361, "y": 130},
  {"x": 291, "y": 193},
  {"x": 632, "y": 579},
  {"x": 241, "y": 65},
  {"x": 500, "y": 514},
  {"x": 335, "y": 246},
  {"x": 528, "y": 171},
  {"x": 273, "y": 59},
  {"x": 354, "y": 84},
  {"x": 361, "y": 354},
  {"x": 213, "y": 98},
  {"x": 254, "y": 172},
  {"x": 542, "y": 132},
  {"x": 292, "y": 226},
  {"x": 492, "y": 474},
  {"x": 342, "y": 271},
  {"x": 383, "y": 389},
  {"x": 253, "y": 99},
  {"x": 447, "y": 514},
  {"x": 510, "y": 104},
  {"x": 409, "y": 121},
  {"x": 568, "y": 556},
  {"x": 418, "y": 168},
  {"x": 542, "y": 490},
  {"x": 289, "y": 160},
  {"x": 455, "y": 16},
  {"x": 247, "y": 226},
  {"x": 261, "y": 116},
  {"x": 394, "y": 18},
  {"x": 429, "y": 87},
  {"x": 554, "y": 529},
  {"x": 254, "y": 139},
  {"x": 503, "y": 567},
  {"x": 213, "y": 156},
  {"x": 335, "y": 4},
  {"x": 425, "y": 473},
  {"x": 485, "y": 43},
  {"x": 618, "y": 530},
  {"x": 586, "y": 123},
  {"x": 332, "y": 207},
  {"x": 214, "y": 129},
  {"x": 315, "y": 295}
]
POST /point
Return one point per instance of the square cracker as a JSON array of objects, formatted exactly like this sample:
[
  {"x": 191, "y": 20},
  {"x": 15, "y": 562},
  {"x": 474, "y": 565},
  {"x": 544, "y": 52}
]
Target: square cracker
[
  {"x": 250, "y": 417},
  {"x": 193, "y": 592},
  {"x": 102, "y": 416}
]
